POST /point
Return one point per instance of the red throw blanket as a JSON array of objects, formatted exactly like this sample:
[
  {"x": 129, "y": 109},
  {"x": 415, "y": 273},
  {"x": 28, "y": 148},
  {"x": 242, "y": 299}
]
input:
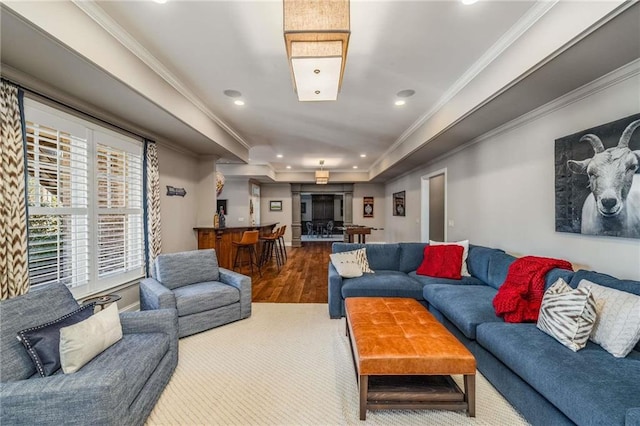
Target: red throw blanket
[{"x": 520, "y": 297}]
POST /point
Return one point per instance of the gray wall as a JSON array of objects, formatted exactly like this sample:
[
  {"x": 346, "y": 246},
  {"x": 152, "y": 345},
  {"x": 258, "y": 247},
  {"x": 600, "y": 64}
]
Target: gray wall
[{"x": 501, "y": 189}]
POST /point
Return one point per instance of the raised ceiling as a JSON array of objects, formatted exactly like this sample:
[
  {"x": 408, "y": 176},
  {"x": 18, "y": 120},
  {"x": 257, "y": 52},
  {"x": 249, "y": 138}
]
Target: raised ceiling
[{"x": 204, "y": 48}]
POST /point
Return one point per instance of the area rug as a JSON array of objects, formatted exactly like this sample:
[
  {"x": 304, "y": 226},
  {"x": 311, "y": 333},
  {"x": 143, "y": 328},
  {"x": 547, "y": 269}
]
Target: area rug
[{"x": 289, "y": 364}]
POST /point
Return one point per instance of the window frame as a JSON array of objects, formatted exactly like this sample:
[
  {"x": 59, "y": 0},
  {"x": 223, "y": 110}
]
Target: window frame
[{"x": 95, "y": 134}]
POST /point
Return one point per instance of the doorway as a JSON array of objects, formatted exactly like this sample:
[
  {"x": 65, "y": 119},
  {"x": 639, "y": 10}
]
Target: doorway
[
  {"x": 434, "y": 206},
  {"x": 321, "y": 215}
]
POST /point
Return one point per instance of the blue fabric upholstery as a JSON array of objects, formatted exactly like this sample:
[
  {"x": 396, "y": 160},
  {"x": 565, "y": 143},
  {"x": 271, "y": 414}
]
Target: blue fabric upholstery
[
  {"x": 553, "y": 275},
  {"x": 466, "y": 306},
  {"x": 380, "y": 256},
  {"x": 478, "y": 261},
  {"x": 498, "y": 268},
  {"x": 589, "y": 386},
  {"x": 202, "y": 297},
  {"x": 175, "y": 270},
  {"x": 201, "y": 305},
  {"x": 119, "y": 386},
  {"x": 629, "y": 286},
  {"x": 426, "y": 280},
  {"x": 382, "y": 284},
  {"x": 336, "y": 302},
  {"x": 411, "y": 256}
]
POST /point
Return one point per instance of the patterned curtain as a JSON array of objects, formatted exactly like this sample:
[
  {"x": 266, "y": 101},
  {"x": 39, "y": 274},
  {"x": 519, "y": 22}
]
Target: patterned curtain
[
  {"x": 153, "y": 225},
  {"x": 14, "y": 269}
]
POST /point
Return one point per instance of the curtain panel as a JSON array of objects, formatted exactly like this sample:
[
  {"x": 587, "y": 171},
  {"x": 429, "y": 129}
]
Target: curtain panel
[
  {"x": 14, "y": 269},
  {"x": 153, "y": 225}
]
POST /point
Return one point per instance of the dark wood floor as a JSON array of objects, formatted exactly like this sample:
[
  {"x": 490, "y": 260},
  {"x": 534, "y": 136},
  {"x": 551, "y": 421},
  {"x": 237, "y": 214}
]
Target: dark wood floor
[{"x": 302, "y": 279}]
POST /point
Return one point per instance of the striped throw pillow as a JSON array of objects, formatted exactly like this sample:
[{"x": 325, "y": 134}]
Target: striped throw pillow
[
  {"x": 361, "y": 256},
  {"x": 568, "y": 315}
]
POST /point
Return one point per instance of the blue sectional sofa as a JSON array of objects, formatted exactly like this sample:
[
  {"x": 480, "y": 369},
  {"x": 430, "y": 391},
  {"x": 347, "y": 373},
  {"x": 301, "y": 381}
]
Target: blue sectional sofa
[{"x": 545, "y": 381}]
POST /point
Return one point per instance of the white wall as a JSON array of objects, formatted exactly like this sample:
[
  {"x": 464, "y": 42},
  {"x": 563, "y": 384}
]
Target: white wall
[
  {"x": 278, "y": 192},
  {"x": 380, "y": 208},
  {"x": 236, "y": 192},
  {"x": 178, "y": 214},
  {"x": 501, "y": 190}
]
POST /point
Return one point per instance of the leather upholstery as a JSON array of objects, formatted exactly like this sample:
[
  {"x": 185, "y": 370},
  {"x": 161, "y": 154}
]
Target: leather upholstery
[{"x": 398, "y": 336}]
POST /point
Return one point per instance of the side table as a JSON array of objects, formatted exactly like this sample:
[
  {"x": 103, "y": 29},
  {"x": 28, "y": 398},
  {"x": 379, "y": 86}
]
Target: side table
[{"x": 103, "y": 301}]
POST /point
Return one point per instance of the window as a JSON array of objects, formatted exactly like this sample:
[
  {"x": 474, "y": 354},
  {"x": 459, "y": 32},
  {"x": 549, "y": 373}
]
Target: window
[{"x": 84, "y": 194}]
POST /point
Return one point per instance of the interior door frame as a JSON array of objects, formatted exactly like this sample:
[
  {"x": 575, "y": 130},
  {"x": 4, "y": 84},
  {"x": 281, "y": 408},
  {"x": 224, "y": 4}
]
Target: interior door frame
[{"x": 424, "y": 204}]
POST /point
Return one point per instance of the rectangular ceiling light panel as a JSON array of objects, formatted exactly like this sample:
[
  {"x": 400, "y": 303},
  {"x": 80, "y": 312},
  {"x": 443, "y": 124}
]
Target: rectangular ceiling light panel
[{"x": 317, "y": 79}]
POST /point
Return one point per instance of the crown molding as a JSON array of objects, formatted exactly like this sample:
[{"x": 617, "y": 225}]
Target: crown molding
[
  {"x": 507, "y": 39},
  {"x": 613, "y": 78},
  {"x": 97, "y": 14}
]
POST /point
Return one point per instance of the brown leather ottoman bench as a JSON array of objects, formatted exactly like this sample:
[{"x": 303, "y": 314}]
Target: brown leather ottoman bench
[{"x": 404, "y": 357}]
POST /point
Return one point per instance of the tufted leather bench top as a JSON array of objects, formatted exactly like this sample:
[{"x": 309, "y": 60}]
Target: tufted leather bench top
[{"x": 397, "y": 336}]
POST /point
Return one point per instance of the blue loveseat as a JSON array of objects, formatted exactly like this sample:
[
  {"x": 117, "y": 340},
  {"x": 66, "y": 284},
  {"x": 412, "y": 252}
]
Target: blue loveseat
[
  {"x": 545, "y": 381},
  {"x": 120, "y": 386}
]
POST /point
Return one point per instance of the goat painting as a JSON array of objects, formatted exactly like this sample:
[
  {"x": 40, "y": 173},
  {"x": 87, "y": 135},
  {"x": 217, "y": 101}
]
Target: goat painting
[{"x": 611, "y": 205}]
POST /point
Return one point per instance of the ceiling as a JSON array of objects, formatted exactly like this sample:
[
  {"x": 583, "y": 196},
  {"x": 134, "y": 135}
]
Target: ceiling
[{"x": 207, "y": 47}]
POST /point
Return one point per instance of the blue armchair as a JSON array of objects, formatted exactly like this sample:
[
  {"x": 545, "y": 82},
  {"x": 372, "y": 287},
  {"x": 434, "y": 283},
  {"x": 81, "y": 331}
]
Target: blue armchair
[
  {"x": 205, "y": 295},
  {"x": 119, "y": 386}
]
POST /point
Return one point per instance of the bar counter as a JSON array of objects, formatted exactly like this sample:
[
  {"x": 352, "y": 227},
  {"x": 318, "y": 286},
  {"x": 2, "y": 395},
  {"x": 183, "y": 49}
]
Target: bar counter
[{"x": 220, "y": 239}]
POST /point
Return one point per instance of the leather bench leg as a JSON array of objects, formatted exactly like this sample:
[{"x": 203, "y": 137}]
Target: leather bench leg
[{"x": 470, "y": 394}]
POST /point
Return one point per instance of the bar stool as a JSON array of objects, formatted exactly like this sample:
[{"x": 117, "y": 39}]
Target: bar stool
[
  {"x": 283, "y": 247},
  {"x": 248, "y": 244},
  {"x": 269, "y": 247}
]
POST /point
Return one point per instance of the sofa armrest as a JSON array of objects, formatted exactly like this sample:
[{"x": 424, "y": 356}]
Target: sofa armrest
[
  {"x": 94, "y": 397},
  {"x": 157, "y": 321},
  {"x": 242, "y": 283},
  {"x": 153, "y": 295},
  {"x": 336, "y": 303},
  {"x": 633, "y": 417}
]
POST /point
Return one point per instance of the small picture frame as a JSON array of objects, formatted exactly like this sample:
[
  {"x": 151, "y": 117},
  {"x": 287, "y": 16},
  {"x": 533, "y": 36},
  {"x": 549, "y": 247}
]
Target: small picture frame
[
  {"x": 367, "y": 207},
  {"x": 275, "y": 205},
  {"x": 399, "y": 206}
]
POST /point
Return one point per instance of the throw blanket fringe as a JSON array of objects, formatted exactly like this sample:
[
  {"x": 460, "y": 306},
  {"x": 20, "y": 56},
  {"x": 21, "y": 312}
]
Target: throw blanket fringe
[{"x": 520, "y": 296}]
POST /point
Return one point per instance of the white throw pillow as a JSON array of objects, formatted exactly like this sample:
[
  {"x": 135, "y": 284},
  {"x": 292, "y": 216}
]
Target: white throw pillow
[
  {"x": 81, "y": 342},
  {"x": 567, "y": 314},
  {"x": 617, "y": 327},
  {"x": 465, "y": 245},
  {"x": 346, "y": 264}
]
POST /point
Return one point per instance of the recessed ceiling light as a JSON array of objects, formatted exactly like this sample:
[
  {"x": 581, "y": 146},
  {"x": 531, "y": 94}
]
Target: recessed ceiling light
[
  {"x": 288, "y": 167},
  {"x": 468, "y": 2},
  {"x": 160, "y": 1},
  {"x": 400, "y": 102},
  {"x": 407, "y": 93},
  {"x": 355, "y": 167},
  {"x": 279, "y": 156},
  {"x": 363, "y": 155},
  {"x": 238, "y": 102},
  {"x": 232, "y": 93}
]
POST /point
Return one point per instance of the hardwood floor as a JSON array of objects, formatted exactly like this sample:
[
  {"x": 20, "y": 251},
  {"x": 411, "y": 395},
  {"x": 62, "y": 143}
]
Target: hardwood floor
[{"x": 302, "y": 279}]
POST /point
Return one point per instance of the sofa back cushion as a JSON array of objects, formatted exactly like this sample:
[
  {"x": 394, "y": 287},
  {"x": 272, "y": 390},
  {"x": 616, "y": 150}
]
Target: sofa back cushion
[
  {"x": 380, "y": 256},
  {"x": 411, "y": 256},
  {"x": 499, "y": 263},
  {"x": 39, "y": 306},
  {"x": 478, "y": 261},
  {"x": 175, "y": 270}
]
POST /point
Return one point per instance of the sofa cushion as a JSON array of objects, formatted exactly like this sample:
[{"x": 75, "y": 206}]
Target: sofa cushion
[
  {"x": 478, "y": 261},
  {"x": 499, "y": 263},
  {"x": 42, "y": 304},
  {"x": 137, "y": 354},
  {"x": 568, "y": 314},
  {"x": 175, "y": 270},
  {"x": 195, "y": 298},
  {"x": 617, "y": 328},
  {"x": 553, "y": 275},
  {"x": 597, "y": 389},
  {"x": 424, "y": 280},
  {"x": 442, "y": 261},
  {"x": 346, "y": 264},
  {"x": 466, "y": 306},
  {"x": 464, "y": 271},
  {"x": 382, "y": 284},
  {"x": 380, "y": 256},
  {"x": 411, "y": 255}
]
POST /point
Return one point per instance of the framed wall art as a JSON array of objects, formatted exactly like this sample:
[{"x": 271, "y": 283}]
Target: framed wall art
[
  {"x": 367, "y": 207},
  {"x": 597, "y": 184},
  {"x": 399, "y": 203},
  {"x": 275, "y": 205}
]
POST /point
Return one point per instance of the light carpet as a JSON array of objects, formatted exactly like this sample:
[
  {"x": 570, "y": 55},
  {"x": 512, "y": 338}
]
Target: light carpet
[{"x": 289, "y": 364}]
